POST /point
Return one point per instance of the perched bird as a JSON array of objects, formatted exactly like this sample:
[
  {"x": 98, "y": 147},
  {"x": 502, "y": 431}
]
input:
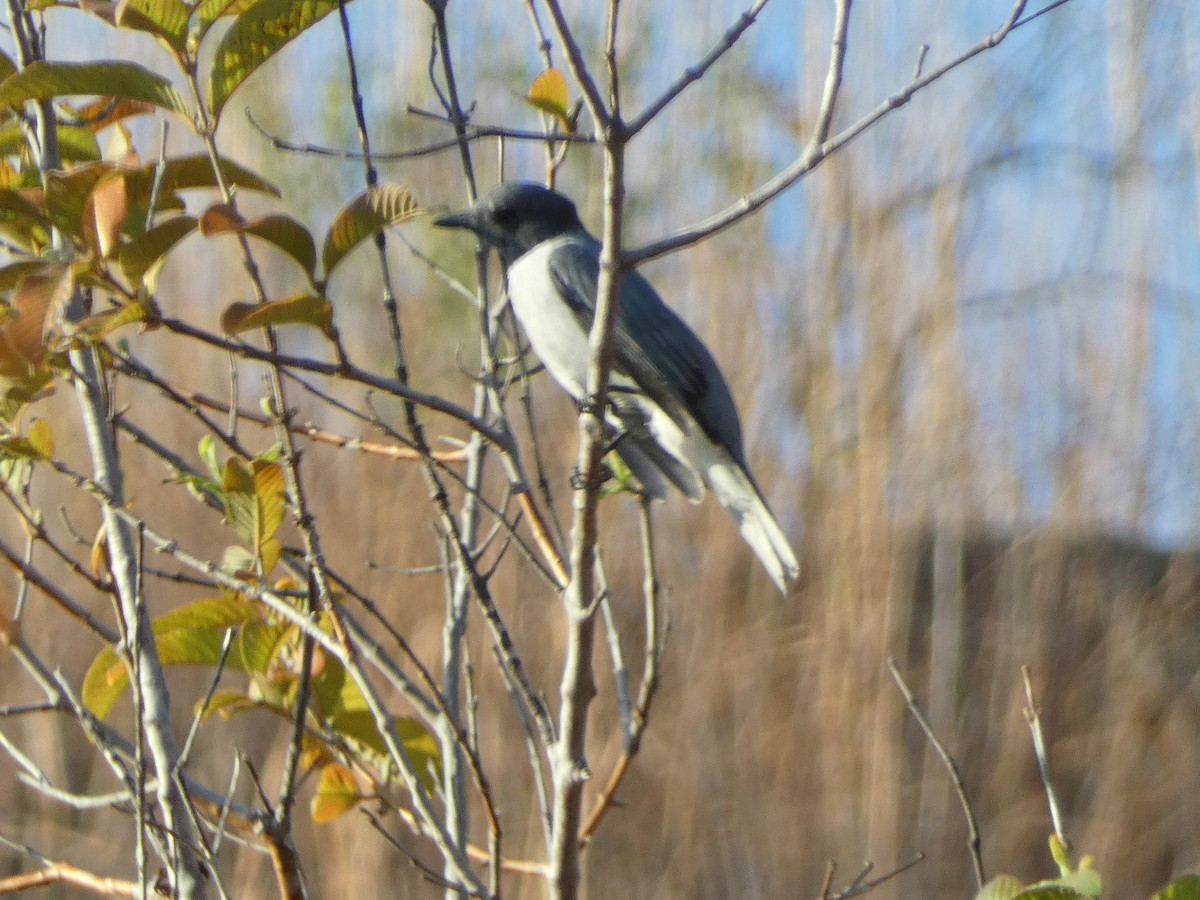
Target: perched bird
[{"x": 669, "y": 405}]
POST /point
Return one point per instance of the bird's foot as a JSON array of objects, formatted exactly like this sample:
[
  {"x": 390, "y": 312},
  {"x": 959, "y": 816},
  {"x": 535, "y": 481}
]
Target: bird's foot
[
  {"x": 579, "y": 482},
  {"x": 590, "y": 405}
]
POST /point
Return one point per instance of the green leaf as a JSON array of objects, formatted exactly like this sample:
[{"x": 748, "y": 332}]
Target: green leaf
[
  {"x": 1002, "y": 887},
  {"x": 622, "y": 480},
  {"x": 18, "y": 203},
  {"x": 1050, "y": 893},
  {"x": 186, "y": 172},
  {"x": 1086, "y": 881},
  {"x": 208, "y": 11},
  {"x": 110, "y": 78},
  {"x": 283, "y": 232},
  {"x": 298, "y": 309},
  {"x": 1185, "y": 888},
  {"x": 239, "y": 562},
  {"x": 7, "y": 66},
  {"x": 190, "y": 635},
  {"x": 364, "y": 217},
  {"x": 260, "y": 642},
  {"x": 208, "y": 455},
  {"x": 1061, "y": 858},
  {"x": 76, "y": 143},
  {"x": 255, "y": 36},
  {"x": 141, "y": 257},
  {"x": 337, "y": 793},
  {"x": 1083, "y": 879},
  {"x": 237, "y": 486},
  {"x": 14, "y": 272},
  {"x": 165, "y": 19}
]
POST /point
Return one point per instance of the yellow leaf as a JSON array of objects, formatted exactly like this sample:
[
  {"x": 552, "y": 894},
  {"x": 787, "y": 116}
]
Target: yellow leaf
[
  {"x": 549, "y": 94},
  {"x": 191, "y": 634},
  {"x": 41, "y": 438},
  {"x": 337, "y": 793}
]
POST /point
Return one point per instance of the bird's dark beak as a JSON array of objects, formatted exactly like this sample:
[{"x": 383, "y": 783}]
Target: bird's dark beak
[{"x": 462, "y": 219}]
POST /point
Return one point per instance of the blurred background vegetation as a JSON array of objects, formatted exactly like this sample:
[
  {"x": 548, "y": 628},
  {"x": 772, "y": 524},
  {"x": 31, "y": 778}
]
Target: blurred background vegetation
[{"x": 965, "y": 354}]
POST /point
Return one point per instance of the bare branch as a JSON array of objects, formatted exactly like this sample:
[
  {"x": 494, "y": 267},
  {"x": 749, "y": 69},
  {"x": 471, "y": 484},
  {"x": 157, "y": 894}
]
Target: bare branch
[
  {"x": 973, "y": 839},
  {"x": 471, "y": 134},
  {"x": 833, "y": 77},
  {"x": 815, "y": 154},
  {"x": 694, "y": 73},
  {"x": 1033, "y": 717}
]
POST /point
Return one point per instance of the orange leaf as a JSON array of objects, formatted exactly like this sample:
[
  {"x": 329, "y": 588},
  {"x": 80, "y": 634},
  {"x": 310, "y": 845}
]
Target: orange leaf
[
  {"x": 220, "y": 219},
  {"x": 109, "y": 204},
  {"x": 37, "y": 297}
]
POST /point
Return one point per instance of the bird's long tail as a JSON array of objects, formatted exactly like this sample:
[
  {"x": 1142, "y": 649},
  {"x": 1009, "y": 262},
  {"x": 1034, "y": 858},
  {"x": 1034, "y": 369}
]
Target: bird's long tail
[{"x": 739, "y": 495}]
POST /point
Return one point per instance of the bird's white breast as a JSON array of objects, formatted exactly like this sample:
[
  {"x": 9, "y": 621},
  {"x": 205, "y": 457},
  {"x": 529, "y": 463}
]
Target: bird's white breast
[{"x": 553, "y": 331}]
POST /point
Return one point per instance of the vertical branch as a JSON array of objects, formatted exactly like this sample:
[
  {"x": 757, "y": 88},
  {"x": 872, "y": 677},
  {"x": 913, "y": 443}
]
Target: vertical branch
[
  {"x": 151, "y": 685},
  {"x": 833, "y": 76},
  {"x": 155, "y": 722},
  {"x": 1033, "y": 718},
  {"x": 578, "y": 687},
  {"x": 454, "y": 625},
  {"x": 639, "y": 714},
  {"x": 568, "y": 758}
]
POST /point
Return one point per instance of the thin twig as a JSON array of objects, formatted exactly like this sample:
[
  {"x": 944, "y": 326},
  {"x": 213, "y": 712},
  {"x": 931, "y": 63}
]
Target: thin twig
[
  {"x": 864, "y": 885},
  {"x": 1033, "y": 718},
  {"x": 470, "y": 134},
  {"x": 974, "y": 841},
  {"x": 695, "y": 72}
]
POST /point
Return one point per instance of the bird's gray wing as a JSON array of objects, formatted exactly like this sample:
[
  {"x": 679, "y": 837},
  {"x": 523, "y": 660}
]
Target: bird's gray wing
[{"x": 653, "y": 346}]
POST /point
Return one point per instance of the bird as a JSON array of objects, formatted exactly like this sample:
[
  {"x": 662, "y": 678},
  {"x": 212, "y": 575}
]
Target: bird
[{"x": 673, "y": 417}]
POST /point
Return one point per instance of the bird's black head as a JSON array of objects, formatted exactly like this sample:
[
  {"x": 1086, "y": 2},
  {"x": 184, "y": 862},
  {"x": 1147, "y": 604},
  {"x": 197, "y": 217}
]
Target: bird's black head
[{"x": 516, "y": 217}]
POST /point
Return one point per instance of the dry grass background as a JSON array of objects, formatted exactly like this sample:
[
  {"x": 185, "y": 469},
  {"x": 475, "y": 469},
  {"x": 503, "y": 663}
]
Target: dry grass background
[{"x": 948, "y": 346}]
